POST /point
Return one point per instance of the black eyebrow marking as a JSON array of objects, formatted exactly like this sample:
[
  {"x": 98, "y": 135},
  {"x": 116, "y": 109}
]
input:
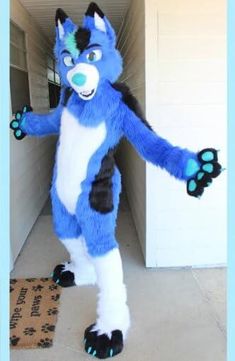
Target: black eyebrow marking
[
  {"x": 65, "y": 52},
  {"x": 92, "y": 45}
]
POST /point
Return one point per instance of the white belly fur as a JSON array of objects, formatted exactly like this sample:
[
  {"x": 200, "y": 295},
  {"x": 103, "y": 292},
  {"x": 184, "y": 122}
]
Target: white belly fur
[{"x": 76, "y": 146}]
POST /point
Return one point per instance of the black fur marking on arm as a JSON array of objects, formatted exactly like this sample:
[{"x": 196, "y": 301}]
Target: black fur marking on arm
[
  {"x": 66, "y": 95},
  {"x": 101, "y": 194},
  {"x": 131, "y": 101}
]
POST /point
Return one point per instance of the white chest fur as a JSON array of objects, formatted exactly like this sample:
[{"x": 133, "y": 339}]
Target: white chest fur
[{"x": 77, "y": 144}]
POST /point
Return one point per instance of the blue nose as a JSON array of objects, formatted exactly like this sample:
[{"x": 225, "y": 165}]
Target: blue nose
[{"x": 79, "y": 79}]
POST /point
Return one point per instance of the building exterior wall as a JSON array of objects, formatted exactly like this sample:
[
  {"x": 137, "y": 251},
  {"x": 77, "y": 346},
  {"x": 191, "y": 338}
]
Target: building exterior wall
[
  {"x": 175, "y": 64},
  {"x": 186, "y": 103},
  {"x": 31, "y": 159},
  {"x": 131, "y": 42}
]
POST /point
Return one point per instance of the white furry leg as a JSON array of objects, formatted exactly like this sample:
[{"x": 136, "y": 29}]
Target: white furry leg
[
  {"x": 112, "y": 310},
  {"x": 80, "y": 265}
]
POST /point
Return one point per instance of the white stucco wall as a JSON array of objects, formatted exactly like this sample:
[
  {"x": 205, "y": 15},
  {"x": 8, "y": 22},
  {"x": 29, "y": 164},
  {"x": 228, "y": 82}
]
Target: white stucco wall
[
  {"x": 132, "y": 44},
  {"x": 186, "y": 103},
  {"x": 175, "y": 63}
]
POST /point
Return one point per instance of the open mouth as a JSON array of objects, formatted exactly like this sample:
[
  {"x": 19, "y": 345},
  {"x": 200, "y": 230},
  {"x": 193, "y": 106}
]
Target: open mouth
[{"x": 87, "y": 94}]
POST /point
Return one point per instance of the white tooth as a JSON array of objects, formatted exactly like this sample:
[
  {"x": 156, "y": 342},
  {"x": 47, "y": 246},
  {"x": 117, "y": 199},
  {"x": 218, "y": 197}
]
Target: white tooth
[{"x": 87, "y": 92}]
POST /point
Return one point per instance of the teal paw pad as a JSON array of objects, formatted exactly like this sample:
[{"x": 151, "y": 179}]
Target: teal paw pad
[
  {"x": 208, "y": 155},
  {"x": 18, "y": 133},
  {"x": 192, "y": 167},
  {"x": 208, "y": 167},
  {"x": 18, "y": 115},
  {"x": 17, "y": 123},
  {"x": 14, "y": 124},
  {"x": 192, "y": 185},
  {"x": 200, "y": 175}
]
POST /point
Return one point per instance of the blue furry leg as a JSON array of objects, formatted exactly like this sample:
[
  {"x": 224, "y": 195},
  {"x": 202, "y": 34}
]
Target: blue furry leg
[
  {"x": 65, "y": 224},
  {"x": 98, "y": 231},
  {"x": 98, "y": 228},
  {"x": 66, "y": 227}
]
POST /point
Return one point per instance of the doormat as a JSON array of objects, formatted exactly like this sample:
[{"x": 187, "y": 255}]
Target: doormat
[{"x": 34, "y": 310}]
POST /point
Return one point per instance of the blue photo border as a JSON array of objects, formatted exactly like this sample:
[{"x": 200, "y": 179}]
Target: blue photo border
[
  {"x": 4, "y": 180},
  {"x": 231, "y": 182}
]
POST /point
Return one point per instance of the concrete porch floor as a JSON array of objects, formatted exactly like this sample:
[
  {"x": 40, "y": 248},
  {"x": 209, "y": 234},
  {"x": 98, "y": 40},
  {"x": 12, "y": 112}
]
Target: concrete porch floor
[{"x": 177, "y": 315}]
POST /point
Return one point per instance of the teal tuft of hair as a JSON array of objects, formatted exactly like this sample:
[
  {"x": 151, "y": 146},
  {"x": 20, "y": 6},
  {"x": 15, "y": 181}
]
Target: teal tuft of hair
[{"x": 71, "y": 46}]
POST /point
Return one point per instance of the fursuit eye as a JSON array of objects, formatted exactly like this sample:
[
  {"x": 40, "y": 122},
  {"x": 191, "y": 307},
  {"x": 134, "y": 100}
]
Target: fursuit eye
[
  {"x": 68, "y": 61},
  {"x": 94, "y": 55}
]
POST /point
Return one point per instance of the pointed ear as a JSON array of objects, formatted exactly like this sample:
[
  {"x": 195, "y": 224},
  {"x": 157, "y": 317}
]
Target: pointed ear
[
  {"x": 63, "y": 24},
  {"x": 60, "y": 19},
  {"x": 99, "y": 22},
  {"x": 95, "y": 19}
]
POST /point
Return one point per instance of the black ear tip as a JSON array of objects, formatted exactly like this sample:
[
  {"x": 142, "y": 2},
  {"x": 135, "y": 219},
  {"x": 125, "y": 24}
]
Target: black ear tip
[
  {"x": 60, "y": 15},
  {"x": 92, "y": 9}
]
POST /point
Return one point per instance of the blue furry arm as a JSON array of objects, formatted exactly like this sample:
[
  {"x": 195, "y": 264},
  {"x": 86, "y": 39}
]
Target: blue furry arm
[
  {"x": 198, "y": 169},
  {"x": 28, "y": 123},
  {"x": 181, "y": 163},
  {"x": 41, "y": 124}
]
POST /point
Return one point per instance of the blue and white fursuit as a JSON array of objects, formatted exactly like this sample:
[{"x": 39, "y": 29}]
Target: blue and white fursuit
[{"x": 93, "y": 114}]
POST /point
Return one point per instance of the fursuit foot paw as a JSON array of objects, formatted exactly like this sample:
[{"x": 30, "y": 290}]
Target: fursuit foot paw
[
  {"x": 209, "y": 169},
  {"x": 101, "y": 346},
  {"x": 15, "y": 123},
  {"x": 63, "y": 277}
]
